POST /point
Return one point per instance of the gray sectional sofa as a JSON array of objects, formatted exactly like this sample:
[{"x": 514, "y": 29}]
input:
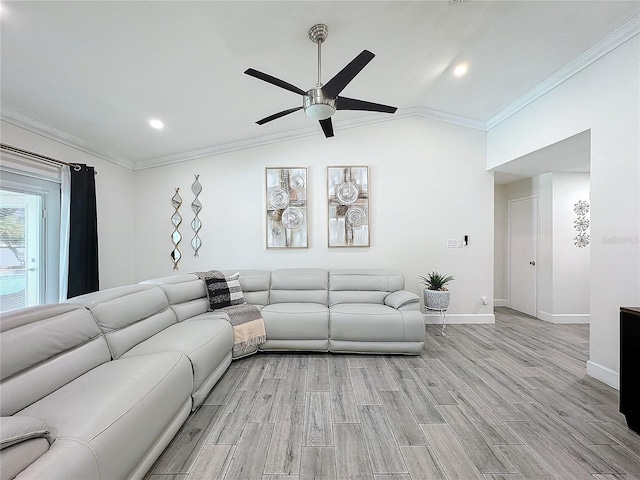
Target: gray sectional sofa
[{"x": 97, "y": 387}]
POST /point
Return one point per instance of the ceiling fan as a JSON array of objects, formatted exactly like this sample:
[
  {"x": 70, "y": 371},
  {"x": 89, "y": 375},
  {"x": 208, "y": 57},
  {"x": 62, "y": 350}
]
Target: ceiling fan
[{"x": 322, "y": 101}]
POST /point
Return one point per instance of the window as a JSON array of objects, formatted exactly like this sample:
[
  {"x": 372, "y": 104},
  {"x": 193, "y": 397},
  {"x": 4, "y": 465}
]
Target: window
[{"x": 29, "y": 241}]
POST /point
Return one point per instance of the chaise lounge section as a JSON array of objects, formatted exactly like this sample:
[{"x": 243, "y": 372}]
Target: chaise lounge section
[{"x": 96, "y": 387}]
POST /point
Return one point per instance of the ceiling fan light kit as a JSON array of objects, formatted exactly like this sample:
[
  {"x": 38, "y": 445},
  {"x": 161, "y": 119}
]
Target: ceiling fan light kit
[
  {"x": 317, "y": 106},
  {"x": 322, "y": 101}
]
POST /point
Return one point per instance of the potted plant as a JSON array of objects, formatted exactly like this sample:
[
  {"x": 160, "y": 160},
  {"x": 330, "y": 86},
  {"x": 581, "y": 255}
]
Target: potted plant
[{"x": 436, "y": 295}]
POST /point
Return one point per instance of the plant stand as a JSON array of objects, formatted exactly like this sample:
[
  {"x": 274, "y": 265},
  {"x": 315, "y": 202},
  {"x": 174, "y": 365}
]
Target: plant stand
[
  {"x": 437, "y": 301},
  {"x": 442, "y": 315}
]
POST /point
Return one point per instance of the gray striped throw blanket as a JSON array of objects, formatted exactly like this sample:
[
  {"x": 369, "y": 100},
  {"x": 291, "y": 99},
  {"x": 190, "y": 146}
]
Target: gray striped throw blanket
[{"x": 225, "y": 294}]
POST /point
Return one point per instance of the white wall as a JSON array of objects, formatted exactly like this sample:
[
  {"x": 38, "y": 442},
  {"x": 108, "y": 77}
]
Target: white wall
[
  {"x": 114, "y": 197},
  {"x": 571, "y": 265},
  {"x": 428, "y": 183},
  {"x": 604, "y": 97}
]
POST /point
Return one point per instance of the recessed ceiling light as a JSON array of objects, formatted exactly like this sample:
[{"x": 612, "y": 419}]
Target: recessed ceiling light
[
  {"x": 460, "y": 69},
  {"x": 157, "y": 124}
]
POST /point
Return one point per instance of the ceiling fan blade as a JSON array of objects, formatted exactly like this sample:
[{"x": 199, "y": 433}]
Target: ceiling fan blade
[
  {"x": 278, "y": 115},
  {"x": 274, "y": 81},
  {"x": 334, "y": 86},
  {"x": 344, "y": 103},
  {"x": 327, "y": 127}
]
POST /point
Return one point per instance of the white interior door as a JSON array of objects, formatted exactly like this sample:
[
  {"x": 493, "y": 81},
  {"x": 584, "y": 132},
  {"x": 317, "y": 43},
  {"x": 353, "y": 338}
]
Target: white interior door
[{"x": 523, "y": 254}]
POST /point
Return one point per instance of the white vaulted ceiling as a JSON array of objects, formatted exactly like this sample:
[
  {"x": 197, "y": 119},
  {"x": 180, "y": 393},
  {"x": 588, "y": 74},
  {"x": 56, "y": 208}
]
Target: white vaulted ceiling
[{"x": 96, "y": 72}]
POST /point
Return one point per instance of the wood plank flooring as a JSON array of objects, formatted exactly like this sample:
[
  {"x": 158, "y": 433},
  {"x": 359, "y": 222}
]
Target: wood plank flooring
[{"x": 509, "y": 401}]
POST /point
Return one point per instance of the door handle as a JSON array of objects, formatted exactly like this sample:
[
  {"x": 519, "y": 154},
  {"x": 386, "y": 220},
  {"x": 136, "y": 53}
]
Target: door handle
[{"x": 532, "y": 262}]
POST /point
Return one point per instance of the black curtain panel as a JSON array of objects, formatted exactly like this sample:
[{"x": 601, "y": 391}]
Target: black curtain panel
[{"x": 83, "y": 233}]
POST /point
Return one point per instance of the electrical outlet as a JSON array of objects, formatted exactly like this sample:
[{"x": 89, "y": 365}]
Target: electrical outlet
[
  {"x": 459, "y": 243},
  {"x": 451, "y": 243},
  {"x": 484, "y": 300}
]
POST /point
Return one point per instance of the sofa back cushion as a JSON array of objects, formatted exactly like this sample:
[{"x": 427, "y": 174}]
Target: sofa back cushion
[
  {"x": 128, "y": 315},
  {"x": 255, "y": 285},
  {"x": 42, "y": 349},
  {"x": 186, "y": 294},
  {"x": 363, "y": 286},
  {"x": 299, "y": 285}
]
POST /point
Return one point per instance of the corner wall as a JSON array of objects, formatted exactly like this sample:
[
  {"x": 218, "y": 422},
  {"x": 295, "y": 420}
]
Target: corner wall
[
  {"x": 428, "y": 183},
  {"x": 603, "y": 97}
]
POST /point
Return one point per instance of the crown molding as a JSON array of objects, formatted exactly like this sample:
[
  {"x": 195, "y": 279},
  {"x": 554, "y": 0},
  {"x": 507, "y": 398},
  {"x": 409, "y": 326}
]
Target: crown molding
[
  {"x": 306, "y": 132},
  {"x": 443, "y": 117},
  {"x": 624, "y": 33},
  {"x": 40, "y": 128},
  {"x": 224, "y": 148}
]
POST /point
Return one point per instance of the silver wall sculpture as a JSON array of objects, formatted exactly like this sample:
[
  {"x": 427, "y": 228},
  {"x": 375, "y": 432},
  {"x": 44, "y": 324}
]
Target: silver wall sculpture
[
  {"x": 348, "y": 202},
  {"x": 176, "y": 220},
  {"x": 196, "y": 224},
  {"x": 286, "y": 215}
]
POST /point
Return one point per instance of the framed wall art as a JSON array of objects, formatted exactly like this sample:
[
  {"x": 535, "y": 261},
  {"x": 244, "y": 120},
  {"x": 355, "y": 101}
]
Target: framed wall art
[
  {"x": 348, "y": 199},
  {"x": 286, "y": 214}
]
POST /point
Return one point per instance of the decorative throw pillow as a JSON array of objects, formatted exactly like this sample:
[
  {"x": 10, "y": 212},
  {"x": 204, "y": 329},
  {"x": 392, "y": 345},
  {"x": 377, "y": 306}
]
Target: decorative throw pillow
[
  {"x": 236, "y": 296},
  {"x": 224, "y": 292}
]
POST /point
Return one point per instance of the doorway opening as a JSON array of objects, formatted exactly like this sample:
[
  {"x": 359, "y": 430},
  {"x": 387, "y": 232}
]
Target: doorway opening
[{"x": 546, "y": 277}]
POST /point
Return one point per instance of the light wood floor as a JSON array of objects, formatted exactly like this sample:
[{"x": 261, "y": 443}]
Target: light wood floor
[{"x": 507, "y": 401}]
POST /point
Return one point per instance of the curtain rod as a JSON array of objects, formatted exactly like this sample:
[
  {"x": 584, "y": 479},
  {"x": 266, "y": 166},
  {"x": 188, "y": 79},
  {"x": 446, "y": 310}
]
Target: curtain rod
[{"x": 37, "y": 156}]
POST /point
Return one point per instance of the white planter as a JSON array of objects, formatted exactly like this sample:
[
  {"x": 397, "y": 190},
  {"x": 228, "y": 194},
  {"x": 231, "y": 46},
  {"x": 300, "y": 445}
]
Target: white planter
[{"x": 436, "y": 299}]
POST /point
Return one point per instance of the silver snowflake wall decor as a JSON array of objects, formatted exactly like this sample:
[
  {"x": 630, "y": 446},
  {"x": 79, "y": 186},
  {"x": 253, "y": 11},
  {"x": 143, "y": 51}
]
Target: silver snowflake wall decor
[
  {"x": 581, "y": 224},
  {"x": 581, "y": 240},
  {"x": 581, "y": 208}
]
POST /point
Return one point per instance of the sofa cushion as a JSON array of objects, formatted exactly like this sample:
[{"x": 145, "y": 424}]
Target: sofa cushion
[
  {"x": 128, "y": 315},
  {"x": 43, "y": 348},
  {"x": 299, "y": 285},
  {"x": 186, "y": 294},
  {"x": 16, "y": 429},
  {"x": 16, "y": 458},
  {"x": 106, "y": 420},
  {"x": 255, "y": 285},
  {"x": 367, "y": 323},
  {"x": 363, "y": 286},
  {"x": 207, "y": 342},
  {"x": 296, "y": 321}
]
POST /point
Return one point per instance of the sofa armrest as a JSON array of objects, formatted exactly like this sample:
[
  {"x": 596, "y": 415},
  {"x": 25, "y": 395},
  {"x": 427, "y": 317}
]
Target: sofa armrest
[
  {"x": 19, "y": 428},
  {"x": 401, "y": 298}
]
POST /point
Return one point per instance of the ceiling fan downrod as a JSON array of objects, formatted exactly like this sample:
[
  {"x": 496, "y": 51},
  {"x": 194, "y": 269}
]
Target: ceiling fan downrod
[
  {"x": 317, "y": 105},
  {"x": 318, "y": 34}
]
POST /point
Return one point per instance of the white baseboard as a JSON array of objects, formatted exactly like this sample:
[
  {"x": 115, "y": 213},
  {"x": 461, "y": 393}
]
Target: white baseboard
[
  {"x": 604, "y": 374},
  {"x": 459, "y": 318},
  {"x": 500, "y": 302},
  {"x": 564, "y": 317}
]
